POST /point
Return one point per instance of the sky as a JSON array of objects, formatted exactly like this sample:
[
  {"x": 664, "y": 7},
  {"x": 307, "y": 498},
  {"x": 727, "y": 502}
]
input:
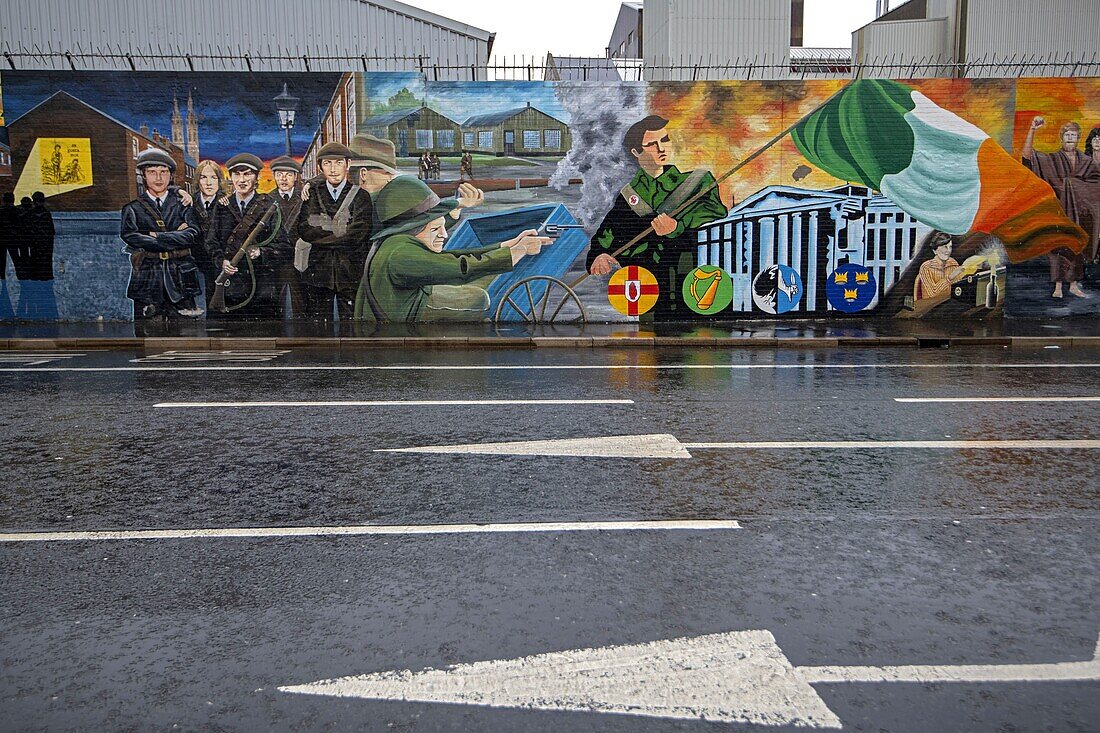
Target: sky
[
  {"x": 237, "y": 110},
  {"x": 583, "y": 27}
]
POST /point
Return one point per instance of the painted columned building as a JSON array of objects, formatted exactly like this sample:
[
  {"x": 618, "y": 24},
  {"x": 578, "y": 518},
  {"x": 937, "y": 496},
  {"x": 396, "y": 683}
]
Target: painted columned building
[{"x": 812, "y": 232}]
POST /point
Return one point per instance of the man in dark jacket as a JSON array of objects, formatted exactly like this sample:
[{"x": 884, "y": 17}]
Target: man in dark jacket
[
  {"x": 334, "y": 227},
  {"x": 159, "y": 232},
  {"x": 288, "y": 195},
  {"x": 253, "y": 285}
]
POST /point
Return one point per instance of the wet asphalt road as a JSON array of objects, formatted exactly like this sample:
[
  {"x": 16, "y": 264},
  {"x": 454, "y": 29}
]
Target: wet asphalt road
[{"x": 872, "y": 557}]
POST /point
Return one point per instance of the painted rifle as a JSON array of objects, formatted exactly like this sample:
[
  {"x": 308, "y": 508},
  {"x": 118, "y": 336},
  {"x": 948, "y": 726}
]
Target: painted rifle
[{"x": 217, "y": 301}]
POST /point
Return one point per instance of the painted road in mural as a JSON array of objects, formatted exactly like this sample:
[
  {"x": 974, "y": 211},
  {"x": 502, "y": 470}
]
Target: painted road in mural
[{"x": 240, "y": 543}]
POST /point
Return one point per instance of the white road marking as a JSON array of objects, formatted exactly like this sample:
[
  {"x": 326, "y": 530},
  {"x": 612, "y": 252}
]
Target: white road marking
[
  {"x": 663, "y": 445},
  {"x": 734, "y": 677},
  {"x": 35, "y": 358},
  {"x": 393, "y": 403},
  {"x": 895, "y": 444},
  {"x": 612, "y": 446},
  {"x": 375, "y": 529},
  {"x": 737, "y": 677},
  {"x": 540, "y": 367},
  {"x": 996, "y": 399},
  {"x": 206, "y": 356},
  {"x": 1055, "y": 672}
]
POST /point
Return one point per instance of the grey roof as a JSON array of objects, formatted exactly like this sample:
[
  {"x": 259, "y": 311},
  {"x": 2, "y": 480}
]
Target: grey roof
[
  {"x": 388, "y": 118},
  {"x": 495, "y": 118},
  {"x": 434, "y": 18}
]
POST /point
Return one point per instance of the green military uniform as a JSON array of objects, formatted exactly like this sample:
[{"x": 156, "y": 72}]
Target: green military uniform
[
  {"x": 403, "y": 280},
  {"x": 409, "y": 281},
  {"x": 672, "y": 256}
]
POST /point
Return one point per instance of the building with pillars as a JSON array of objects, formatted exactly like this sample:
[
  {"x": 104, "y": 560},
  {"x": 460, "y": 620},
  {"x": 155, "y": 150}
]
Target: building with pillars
[{"x": 812, "y": 232}]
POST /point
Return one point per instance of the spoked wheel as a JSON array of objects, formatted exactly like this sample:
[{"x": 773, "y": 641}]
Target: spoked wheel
[{"x": 541, "y": 299}]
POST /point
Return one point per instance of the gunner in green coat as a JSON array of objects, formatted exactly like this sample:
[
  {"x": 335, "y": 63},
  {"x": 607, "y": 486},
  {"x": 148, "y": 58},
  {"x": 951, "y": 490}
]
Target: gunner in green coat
[
  {"x": 651, "y": 200},
  {"x": 408, "y": 276}
]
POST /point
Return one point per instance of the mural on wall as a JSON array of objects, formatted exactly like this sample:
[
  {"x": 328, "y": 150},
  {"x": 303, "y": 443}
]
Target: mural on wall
[{"x": 389, "y": 198}]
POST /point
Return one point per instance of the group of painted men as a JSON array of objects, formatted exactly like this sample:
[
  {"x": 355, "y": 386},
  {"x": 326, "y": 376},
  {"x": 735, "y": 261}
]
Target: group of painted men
[
  {"x": 315, "y": 239},
  {"x": 302, "y": 244}
]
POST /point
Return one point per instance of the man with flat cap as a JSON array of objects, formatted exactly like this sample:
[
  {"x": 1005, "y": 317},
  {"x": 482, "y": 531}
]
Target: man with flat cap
[
  {"x": 334, "y": 228},
  {"x": 253, "y": 288},
  {"x": 375, "y": 165},
  {"x": 288, "y": 174},
  {"x": 160, "y": 232}
]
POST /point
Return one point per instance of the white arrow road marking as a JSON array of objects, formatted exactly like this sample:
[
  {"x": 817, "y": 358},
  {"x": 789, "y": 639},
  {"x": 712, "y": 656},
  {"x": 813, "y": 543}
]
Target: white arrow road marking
[
  {"x": 371, "y": 529},
  {"x": 735, "y": 677},
  {"x": 995, "y": 399},
  {"x": 663, "y": 445},
  {"x": 392, "y": 403},
  {"x": 614, "y": 446}
]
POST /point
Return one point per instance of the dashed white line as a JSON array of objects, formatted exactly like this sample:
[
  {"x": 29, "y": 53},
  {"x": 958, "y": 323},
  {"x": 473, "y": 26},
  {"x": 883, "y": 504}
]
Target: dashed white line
[
  {"x": 373, "y": 529},
  {"x": 392, "y": 403},
  {"x": 919, "y": 400}
]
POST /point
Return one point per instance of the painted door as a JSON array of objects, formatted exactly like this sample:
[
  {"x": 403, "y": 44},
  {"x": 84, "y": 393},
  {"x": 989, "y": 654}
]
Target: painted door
[
  {"x": 403, "y": 143},
  {"x": 509, "y": 142}
]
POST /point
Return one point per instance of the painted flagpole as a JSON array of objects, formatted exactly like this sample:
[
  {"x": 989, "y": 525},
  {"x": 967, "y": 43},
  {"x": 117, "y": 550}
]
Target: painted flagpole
[{"x": 718, "y": 181}]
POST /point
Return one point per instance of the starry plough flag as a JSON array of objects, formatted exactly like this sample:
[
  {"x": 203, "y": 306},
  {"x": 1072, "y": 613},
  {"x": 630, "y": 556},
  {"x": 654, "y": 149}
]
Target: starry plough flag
[{"x": 936, "y": 167}]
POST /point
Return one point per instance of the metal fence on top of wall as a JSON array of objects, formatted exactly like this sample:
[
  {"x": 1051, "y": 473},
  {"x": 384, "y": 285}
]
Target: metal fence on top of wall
[{"x": 539, "y": 68}]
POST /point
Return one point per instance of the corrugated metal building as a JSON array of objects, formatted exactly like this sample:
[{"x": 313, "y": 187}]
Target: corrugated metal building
[
  {"x": 626, "y": 36},
  {"x": 982, "y": 38},
  {"x": 264, "y": 35},
  {"x": 683, "y": 34}
]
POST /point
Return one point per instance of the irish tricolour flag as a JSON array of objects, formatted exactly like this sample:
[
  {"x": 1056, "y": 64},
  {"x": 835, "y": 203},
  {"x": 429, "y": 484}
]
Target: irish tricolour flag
[{"x": 936, "y": 167}]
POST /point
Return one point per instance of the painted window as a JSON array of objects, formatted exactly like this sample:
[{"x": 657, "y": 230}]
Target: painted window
[
  {"x": 133, "y": 142},
  {"x": 532, "y": 139},
  {"x": 467, "y": 139},
  {"x": 349, "y": 95},
  {"x": 485, "y": 140},
  {"x": 424, "y": 139},
  {"x": 552, "y": 138},
  {"x": 445, "y": 139},
  {"x": 338, "y": 123}
]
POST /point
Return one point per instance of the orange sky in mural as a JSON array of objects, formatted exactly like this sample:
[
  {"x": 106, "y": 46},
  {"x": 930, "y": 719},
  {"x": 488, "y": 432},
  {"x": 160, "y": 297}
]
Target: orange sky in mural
[
  {"x": 717, "y": 124},
  {"x": 1059, "y": 101}
]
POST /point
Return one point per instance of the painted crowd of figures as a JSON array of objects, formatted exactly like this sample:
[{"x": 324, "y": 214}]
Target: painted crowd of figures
[{"x": 363, "y": 241}]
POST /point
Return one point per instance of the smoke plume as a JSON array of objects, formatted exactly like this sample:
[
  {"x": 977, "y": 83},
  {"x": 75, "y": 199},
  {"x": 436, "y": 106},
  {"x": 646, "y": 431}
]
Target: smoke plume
[{"x": 600, "y": 115}]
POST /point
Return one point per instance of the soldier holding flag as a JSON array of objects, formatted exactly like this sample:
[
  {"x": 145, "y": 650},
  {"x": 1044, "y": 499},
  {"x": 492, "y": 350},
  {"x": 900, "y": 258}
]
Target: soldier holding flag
[{"x": 648, "y": 202}]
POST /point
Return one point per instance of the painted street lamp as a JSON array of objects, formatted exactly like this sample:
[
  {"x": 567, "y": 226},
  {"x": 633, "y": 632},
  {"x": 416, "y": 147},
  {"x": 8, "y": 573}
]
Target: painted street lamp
[{"x": 287, "y": 106}]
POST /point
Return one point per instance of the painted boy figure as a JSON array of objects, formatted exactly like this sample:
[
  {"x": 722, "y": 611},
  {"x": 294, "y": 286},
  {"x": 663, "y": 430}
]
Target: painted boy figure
[
  {"x": 287, "y": 194},
  {"x": 254, "y": 286},
  {"x": 160, "y": 232},
  {"x": 649, "y": 201}
]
